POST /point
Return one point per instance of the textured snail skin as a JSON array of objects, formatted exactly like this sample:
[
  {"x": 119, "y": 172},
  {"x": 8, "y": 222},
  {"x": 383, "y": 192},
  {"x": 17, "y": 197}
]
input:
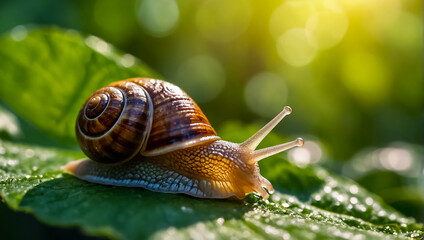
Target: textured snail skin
[
  {"x": 149, "y": 133},
  {"x": 208, "y": 171}
]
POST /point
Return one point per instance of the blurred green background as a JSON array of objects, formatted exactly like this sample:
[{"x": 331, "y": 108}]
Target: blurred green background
[{"x": 352, "y": 70}]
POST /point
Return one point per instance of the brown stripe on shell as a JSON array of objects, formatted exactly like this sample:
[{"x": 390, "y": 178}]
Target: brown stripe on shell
[
  {"x": 96, "y": 105},
  {"x": 179, "y": 135},
  {"x": 177, "y": 120},
  {"x": 95, "y": 126},
  {"x": 127, "y": 131}
]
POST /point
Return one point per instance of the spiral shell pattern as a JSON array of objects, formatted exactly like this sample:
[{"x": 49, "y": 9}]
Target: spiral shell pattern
[
  {"x": 114, "y": 123},
  {"x": 140, "y": 115}
]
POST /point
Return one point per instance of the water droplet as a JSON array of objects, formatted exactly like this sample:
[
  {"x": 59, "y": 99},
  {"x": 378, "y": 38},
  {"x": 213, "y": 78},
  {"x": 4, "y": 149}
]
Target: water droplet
[
  {"x": 286, "y": 236},
  {"x": 271, "y": 230},
  {"x": 276, "y": 198},
  {"x": 361, "y": 208},
  {"x": 353, "y": 189},
  {"x": 369, "y": 201},
  {"x": 335, "y": 194},
  {"x": 12, "y": 162},
  {"x": 331, "y": 182},
  {"x": 286, "y": 205},
  {"x": 220, "y": 221},
  {"x": 327, "y": 189},
  {"x": 29, "y": 153}
]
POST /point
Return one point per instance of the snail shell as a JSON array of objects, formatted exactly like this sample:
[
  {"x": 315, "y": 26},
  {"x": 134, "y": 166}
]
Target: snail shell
[
  {"x": 145, "y": 116},
  {"x": 148, "y": 133}
]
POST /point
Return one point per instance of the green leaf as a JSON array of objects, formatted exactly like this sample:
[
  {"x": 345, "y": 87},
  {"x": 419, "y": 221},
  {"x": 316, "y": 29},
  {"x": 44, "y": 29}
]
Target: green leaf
[
  {"x": 31, "y": 180},
  {"x": 48, "y": 73},
  {"x": 53, "y": 71}
]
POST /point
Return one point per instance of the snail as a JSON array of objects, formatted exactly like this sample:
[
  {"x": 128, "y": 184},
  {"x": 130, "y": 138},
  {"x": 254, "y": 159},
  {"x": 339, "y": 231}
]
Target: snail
[{"x": 148, "y": 133}]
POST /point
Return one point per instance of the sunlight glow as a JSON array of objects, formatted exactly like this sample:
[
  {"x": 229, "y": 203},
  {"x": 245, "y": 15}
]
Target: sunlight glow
[
  {"x": 327, "y": 25},
  {"x": 223, "y": 24},
  {"x": 366, "y": 76},
  {"x": 291, "y": 14},
  {"x": 295, "y": 48}
]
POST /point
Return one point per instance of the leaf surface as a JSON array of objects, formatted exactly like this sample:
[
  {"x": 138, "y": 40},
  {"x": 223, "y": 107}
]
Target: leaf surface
[{"x": 47, "y": 75}]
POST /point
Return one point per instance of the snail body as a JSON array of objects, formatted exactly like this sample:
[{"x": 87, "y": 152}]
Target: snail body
[{"x": 148, "y": 133}]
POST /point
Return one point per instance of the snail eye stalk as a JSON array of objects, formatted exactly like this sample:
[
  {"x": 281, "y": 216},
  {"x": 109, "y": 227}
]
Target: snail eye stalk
[{"x": 250, "y": 144}]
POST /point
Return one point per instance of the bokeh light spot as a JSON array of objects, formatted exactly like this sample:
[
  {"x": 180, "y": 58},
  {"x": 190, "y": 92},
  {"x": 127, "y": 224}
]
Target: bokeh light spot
[
  {"x": 327, "y": 25},
  {"x": 291, "y": 14},
  {"x": 406, "y": 34},
  {"x": 353, "y": 189},
  {"x": 369, "y": 201},
  {"x": 98, "y": 44},
  {"x": 366, "y": 77},
  {"x": 159, "y": 18},
  {"x": 266, "y": 94},
  {"x": 202, "y": 77},
  {"x": 127, "y": 60},
  {"x": 19, "y": 33},
  {"x": 381, "y": 14},
  {"x": 400, "y": 157},
  {"x": 295, "y": 48},
  {"x": 9, "y": 124},
  {"x": 300, "y": 157},
  {"x": 222, "y": 20},
  {"x": 397, "y": 159},
  {"x": 309, "y": 153}
]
